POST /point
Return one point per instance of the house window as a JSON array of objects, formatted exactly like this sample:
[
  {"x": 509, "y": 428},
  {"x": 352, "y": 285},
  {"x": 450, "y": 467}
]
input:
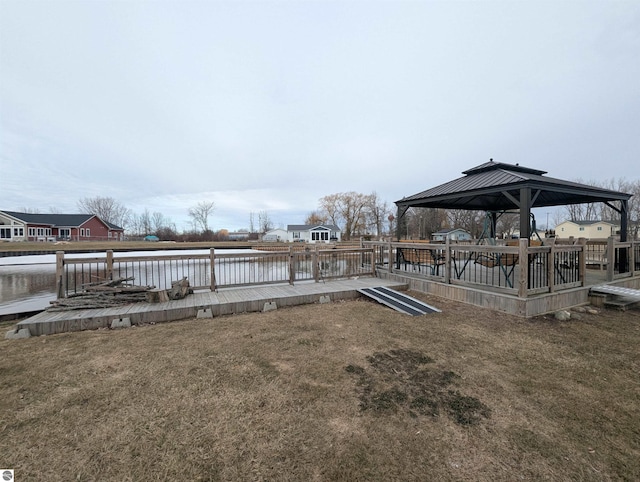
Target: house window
[
  {"x": 18, "y": 232},
  {"x": 32, "y": 231},
  {"x": 319, "y": 236},
  {"x": 5, "y": 233},
  {"x": 296, "y": 235},
  {"x": 65, "y": 233},
  {"x": 81, "y": 231},
  {"x": 40, "y": 231},
  {"x": 599, "y": 228},
  {"x": 87, "y": 233},
  {"x": 581, "y": 228}
]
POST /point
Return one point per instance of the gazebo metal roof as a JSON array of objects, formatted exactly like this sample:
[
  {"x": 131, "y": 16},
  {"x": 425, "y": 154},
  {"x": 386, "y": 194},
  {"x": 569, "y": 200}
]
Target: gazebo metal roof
[{"x": 496, "y": 186}]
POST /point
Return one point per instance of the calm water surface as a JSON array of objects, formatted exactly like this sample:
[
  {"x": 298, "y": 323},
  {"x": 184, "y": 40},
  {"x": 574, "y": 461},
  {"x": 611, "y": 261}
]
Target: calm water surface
[{"x": 28, "y": 283}]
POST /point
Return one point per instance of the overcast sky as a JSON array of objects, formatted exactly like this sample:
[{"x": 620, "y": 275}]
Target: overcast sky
[{"x": 269, "y": 106}]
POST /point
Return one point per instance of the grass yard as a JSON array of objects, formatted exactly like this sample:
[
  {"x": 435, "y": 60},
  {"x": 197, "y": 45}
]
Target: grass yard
[{"x": 342, "y": 391}]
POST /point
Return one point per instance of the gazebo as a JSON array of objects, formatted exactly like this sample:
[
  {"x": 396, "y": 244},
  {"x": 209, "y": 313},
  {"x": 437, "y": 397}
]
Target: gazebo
[
  {"x": 517, "y": 276},
  {"x": 496, "y": 186}
]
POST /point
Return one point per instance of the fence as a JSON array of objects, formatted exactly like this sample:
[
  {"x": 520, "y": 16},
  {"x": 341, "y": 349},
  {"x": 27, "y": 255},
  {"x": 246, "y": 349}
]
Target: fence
[
  {"x": 215, "y": 269},
  {"x": 519, "y": 269}
]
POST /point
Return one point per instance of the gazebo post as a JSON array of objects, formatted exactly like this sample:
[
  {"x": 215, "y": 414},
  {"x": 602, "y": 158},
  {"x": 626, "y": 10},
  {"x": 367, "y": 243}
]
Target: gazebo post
[{"x": 525, "y": 213}]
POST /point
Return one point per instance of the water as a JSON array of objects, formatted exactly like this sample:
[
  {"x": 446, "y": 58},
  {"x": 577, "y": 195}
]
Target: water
[{"x": 28, "y": 283}]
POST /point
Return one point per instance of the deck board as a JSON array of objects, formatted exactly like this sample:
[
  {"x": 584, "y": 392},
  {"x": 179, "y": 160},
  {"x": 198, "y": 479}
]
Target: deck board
[{"x": 225, "y": 301}]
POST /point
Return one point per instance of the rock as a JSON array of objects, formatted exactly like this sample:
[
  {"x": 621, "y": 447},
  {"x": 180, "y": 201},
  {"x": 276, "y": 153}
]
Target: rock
[
  {"x": 580, "y": 309},
  {"x": 592, "y": 311},
  {"x": 576, "y": 316},
  {"x": 562, "y": 315}
]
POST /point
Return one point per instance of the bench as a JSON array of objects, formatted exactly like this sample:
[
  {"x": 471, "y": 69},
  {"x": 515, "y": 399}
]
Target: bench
[{"x": 419, "y": 257}]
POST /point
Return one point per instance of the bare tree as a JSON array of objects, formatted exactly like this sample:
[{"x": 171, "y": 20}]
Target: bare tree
[
  {"x": 377, "y": 212},
  {"x": 159, "y": 221},
  {"x": 200, "y": 213},
  {"x": 471, "y": 221},
  {"x": 423, "y": 222},
  {"x": 264, "y": 221},
  {"x": 315, "y": 218},
  {"x": 347, "y": 209},
  {"x": 107, "y": 209}
]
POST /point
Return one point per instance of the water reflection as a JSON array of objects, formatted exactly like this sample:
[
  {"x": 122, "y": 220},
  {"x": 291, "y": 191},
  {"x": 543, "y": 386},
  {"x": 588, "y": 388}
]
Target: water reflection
[{"x": 26, "y": 288}]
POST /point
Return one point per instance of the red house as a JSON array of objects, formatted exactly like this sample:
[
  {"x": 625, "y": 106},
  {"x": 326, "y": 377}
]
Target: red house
[{"x": 56, "y": 227}]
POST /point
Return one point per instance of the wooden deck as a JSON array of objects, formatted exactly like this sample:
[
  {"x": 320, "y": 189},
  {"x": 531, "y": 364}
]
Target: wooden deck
[{"x": 201, "y": 304}]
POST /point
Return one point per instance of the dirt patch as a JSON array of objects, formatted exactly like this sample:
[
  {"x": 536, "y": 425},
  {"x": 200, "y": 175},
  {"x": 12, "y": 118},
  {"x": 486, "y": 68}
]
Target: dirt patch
[{"x": 405, "y": 381}]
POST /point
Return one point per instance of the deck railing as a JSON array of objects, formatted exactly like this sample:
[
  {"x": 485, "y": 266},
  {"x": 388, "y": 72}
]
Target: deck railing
[
  {"x": 517, "y": 269},
  {"x": 213, "y": 270}
]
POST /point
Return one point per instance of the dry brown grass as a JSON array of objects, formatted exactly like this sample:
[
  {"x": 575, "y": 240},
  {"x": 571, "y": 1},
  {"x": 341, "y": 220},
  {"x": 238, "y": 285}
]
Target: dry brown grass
[{"x": 343, "y": 391}]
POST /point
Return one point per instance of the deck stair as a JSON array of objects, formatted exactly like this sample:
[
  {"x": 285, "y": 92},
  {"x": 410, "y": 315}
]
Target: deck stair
[
  {"x": 618, "y": 296},
  {"x": 398, "y": 301}
]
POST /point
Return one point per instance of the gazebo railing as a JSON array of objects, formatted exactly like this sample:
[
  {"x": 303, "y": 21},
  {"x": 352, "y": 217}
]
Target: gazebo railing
[{"x": 517, "y": 269}]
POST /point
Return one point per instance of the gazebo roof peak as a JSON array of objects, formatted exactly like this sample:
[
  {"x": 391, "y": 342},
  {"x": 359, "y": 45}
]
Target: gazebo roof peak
[{"x": 493, "y": 166}]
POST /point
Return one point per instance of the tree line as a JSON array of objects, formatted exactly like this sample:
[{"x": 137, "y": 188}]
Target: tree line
[{"x": 357, "y": 214}]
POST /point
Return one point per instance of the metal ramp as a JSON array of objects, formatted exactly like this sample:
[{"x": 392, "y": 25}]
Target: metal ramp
[
  {"x": 398, "y": 301},
  {"x": 617, "y": 296},
  {"x": 627, "y": 293}
]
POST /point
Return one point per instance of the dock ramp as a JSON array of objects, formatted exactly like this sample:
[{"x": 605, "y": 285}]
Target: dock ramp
[
  {"x": 618, "y": 296},
  {"x": 628, "y": 293},
  {"x": 398, "y": 301}
]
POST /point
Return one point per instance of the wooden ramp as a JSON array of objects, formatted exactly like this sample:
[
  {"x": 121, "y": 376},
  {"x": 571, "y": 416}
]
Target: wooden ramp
[
  {"x": 398, "y": 301},
  {"x": 201, "y": 305}
]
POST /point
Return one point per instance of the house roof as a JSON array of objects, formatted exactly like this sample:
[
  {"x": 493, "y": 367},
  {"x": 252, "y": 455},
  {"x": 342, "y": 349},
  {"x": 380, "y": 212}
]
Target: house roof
[
  {"x": 591, "y": 222},
  {"x": 493, "y": 186},
  {"x": 451, "y": 230},
  {"x": 58, "y": 220},
  {"x": 309, "y": 227}
]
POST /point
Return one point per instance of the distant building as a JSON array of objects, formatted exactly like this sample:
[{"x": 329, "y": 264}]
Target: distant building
[
  {"x": 239, "y": 236},
  {"x": 275, "y": 235},
  {"x": 456, "y": 234},
  {"x": 313, "y": 233},
  {"x": 15, "y": 226},
  {"x": 587, "y": 229}
]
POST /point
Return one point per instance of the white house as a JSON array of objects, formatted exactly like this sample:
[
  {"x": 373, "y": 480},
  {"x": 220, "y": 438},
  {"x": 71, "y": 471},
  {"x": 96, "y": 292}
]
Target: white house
[
  {"x": 586, "y": 229},
  {"x": 453, "y": 235},
  {"x": 313, "y": 233}
]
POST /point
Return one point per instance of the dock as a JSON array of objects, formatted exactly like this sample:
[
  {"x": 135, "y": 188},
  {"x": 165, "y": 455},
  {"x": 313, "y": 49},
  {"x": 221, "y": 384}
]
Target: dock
[{"x": 202, "y": 304}]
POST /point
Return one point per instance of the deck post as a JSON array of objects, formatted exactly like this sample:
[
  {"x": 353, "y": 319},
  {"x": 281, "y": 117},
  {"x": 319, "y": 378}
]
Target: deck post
[
  {"x": 582, "y": 261},
  {"x": 292, "y": 273},
  {"x": 61, "y": 288},
  {"x": 212, "y": 267},
  {"x": 109, "y": 265},
  {"x": 447, "y": 260},
  {"x": 611, "y": 258},
  {"x": 316, "y": 265},
  {"x": 390, "y": 248},
  {"x": 551, "y": 263},
  {"x": 523, "y": 262}
]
